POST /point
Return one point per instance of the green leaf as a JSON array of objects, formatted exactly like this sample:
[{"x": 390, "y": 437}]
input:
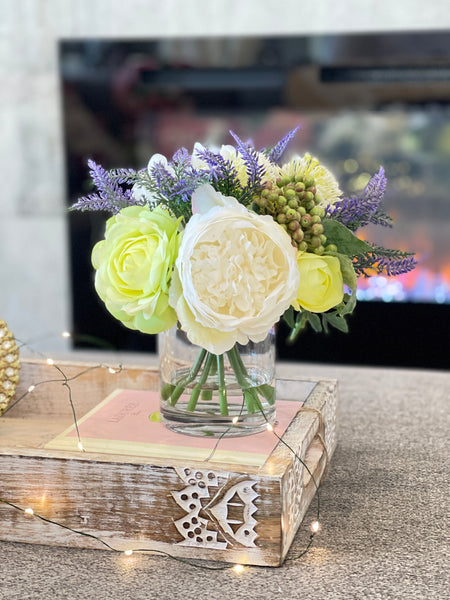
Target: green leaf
[
  {"x": 350, "y": 279},
  {"x": 336, "y": 321},
  {"x": 288, "y": 317},
  {"x": 314, "y": 321},
  {"x": 300, "y": 324},
  {"x": 346, "y": 241}
]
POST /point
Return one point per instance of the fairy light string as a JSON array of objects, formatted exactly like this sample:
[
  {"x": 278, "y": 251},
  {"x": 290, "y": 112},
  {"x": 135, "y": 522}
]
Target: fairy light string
[{"x": 65, "y": 382}]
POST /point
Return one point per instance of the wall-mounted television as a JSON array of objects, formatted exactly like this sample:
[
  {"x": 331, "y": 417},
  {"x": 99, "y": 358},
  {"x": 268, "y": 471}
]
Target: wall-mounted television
[{"x": 361, "y": 101}]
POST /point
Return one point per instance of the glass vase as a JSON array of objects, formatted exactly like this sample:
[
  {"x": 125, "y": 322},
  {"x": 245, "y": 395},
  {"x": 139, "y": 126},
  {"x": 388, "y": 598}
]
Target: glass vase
[{"x": 204, "y": 394}]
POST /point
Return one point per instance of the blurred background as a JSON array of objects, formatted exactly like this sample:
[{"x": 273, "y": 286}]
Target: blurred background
[{"x": 367, "y": 87}]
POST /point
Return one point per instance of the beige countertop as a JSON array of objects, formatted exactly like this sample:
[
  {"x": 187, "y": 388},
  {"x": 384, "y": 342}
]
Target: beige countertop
[{"x": 384, "y": 514}]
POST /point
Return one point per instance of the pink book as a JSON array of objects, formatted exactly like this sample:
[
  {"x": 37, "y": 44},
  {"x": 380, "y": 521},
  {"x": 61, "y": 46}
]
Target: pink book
[{"x": 121, "y": 424}]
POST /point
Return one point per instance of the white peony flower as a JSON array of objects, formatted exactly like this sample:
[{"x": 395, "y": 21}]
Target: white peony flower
[{"x": 235, "y": 275}]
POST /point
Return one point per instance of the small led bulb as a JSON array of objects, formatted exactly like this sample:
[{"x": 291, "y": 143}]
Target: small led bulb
[
  {"x": 29, "y": 511},
  {"x": 128, "y": 552},
  {"x": 80, "y": 446},
  {"x": 269, "y": 427},
  {"x": 111, "y": 370},
  {"x": 238, "y": 568},
  {"x": 66, "y": 334},
  {"x": 31, "y": 388},
  {"x": 234, "y": 420},
  {"x": 315, "y": 526},
  {"x": 50, "y": 361}
]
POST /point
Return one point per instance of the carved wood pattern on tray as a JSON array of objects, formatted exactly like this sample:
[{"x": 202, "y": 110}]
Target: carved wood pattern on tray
[{"x": 218, "y": 509}]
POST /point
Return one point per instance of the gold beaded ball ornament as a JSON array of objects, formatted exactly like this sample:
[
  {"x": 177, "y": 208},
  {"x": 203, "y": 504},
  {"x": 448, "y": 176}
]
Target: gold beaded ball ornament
[{"x": 9, "y": 366}]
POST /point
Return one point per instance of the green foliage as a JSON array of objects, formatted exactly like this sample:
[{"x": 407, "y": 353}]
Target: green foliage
[
  {"x": 346, "y": 241},
  {"x": 318, "y": 322}
]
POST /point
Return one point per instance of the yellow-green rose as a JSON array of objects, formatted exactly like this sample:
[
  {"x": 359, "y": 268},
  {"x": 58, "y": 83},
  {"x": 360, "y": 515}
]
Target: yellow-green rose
[
  {"x": 134, "y": 267},
  {"x": 321, "y": 284}
]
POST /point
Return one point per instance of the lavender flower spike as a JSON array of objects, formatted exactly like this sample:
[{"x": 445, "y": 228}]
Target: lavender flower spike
[
  {"x": 359, "y": 211},
  {"x": 394, "y": 267},
  {"x": 275, "y": 153},
  {"x": 110, "y": 196},
  {"x": 255, "y": 171},
  {"x": 374, "y": 191}
]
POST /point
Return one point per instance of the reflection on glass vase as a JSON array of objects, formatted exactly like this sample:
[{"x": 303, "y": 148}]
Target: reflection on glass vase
[{"x": 204, "y": 394}]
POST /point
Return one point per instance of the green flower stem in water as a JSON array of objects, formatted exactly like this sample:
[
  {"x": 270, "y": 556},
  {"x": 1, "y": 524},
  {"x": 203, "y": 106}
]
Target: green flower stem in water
[
  {"x": 207, "y": 395},
  {"x": 181, "y": 385},
  {"x": 201, "y": 382},
  {"x": 266, "y": 390},
  {"x": 250, "y": 395},
  {"x": 214, "y": 364},
  {"x": 222, "y": 389}
]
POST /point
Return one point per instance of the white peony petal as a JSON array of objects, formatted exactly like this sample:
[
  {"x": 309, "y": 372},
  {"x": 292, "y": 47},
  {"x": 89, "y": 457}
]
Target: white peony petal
[{"x": 205, "y": 198}]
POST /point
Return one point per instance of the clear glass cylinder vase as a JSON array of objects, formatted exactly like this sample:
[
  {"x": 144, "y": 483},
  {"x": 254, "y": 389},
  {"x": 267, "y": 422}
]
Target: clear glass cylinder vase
[{"x": 204, "y": 394}]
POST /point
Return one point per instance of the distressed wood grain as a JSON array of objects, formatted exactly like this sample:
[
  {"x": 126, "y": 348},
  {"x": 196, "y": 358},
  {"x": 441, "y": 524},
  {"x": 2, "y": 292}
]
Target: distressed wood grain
[{"x": 204, "y": 510}]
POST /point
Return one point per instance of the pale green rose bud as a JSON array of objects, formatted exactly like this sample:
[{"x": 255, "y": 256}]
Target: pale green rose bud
[
  {"x": 315, "y": 219},
  {"x": 315, "y": 241},
  {"x": 281, "y": 218},
  {"x": 319, "y": 250},
  {"x": 281, "y": 201},
  {"x": 293, "y": 225},
  {"x": 298, "y": 236},
  {"x": 331, "y": 248},
  {"x": 303, "y": 246},
  {"x": 134, "y": 267},
  {"x": 282, "y": 181},
  {"x": 290, "y": 193},
  {"x": 291, "y": 214},
  {"x": 262, "y": 202},
  {"x": 293, "y": 203},
  {"x": 317, "y": 211},
  {"x": 317, "y": 229},
  {"x": 305, "y": 221}
]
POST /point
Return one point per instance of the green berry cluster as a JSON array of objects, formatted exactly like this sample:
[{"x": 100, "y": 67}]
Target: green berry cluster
[{"x": 294, "y": 203}]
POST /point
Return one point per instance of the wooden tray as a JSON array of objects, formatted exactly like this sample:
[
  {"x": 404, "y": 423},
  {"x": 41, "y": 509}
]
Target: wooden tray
[{"x": 217, "y": 511}]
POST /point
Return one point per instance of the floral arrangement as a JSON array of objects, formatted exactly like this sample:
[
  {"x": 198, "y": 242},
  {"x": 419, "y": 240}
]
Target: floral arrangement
[{"x": 227, "y": 241}]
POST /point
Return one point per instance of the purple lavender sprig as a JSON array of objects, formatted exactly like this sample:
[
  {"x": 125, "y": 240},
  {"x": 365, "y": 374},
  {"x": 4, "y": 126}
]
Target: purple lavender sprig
[
  {"x": 255, "y": 170},
  {"x": 219, "y": 167},
  {"x": 384, "y": 261},
  {"x": 110, "y": 197},
  {"x": 172, "y": 184},
  {"x": 357, "y": 212},
  {"x": 274, "y": 153}
]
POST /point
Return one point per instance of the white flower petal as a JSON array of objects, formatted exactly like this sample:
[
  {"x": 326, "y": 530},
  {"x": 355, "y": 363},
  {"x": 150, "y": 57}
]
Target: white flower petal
[
  {"x": 159, "y": 159},
  {"x": 205, "y": 198}
]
